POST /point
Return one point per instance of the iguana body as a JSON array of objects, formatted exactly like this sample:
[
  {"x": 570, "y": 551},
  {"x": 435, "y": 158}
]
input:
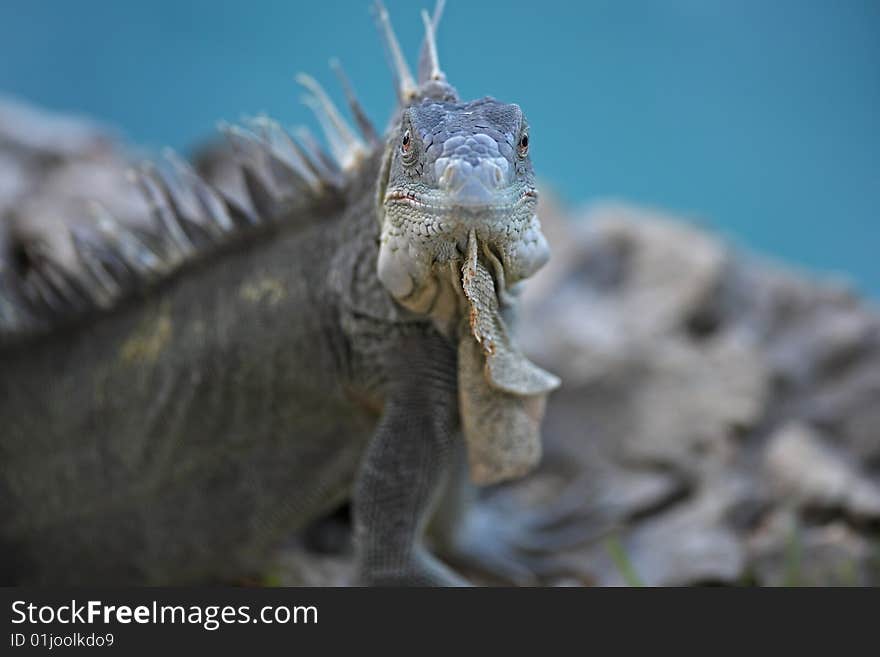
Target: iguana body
[{"x": 331, "y": 351}]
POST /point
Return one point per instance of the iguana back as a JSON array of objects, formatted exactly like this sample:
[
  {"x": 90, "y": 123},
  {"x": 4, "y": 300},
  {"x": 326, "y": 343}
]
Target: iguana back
[{"x": 191, "y": 407}]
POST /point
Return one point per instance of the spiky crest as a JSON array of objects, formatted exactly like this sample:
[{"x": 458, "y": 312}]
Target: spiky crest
[{"x": 284, "y": 177}]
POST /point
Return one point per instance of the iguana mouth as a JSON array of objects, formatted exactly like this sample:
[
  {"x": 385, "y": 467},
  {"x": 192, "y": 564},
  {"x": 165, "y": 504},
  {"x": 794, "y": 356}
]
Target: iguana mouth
[
  {"x": 418, "y": 245},
  {"x": 440, "y": 203}
]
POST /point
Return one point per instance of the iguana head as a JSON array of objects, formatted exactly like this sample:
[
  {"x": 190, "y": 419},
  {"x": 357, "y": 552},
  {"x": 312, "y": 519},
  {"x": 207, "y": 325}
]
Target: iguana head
[
  {"x": 454, "y": 170},
  {"x": 457, "y": 203}
]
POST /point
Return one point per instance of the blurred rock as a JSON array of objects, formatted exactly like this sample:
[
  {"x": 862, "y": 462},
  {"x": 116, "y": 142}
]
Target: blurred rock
[
  {"x": 626, "y": 493},
  {"x": 782, "y": 552},
  {"x": 42, "y": 133},
  {"x": 810, "y": 473},
  {"x": 756, "y": 385},
  {"x": 14, "y": 180},
  {"x": 53, "y": 168},
  {"x": 684, "y": 547}
]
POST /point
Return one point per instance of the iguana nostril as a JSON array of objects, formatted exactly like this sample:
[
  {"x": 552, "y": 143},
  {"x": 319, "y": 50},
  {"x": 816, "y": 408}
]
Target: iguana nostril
[{"x": 454, "y": 175}]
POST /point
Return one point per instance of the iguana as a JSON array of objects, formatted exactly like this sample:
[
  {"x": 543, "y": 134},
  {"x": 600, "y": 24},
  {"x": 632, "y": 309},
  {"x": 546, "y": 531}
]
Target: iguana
[{"x": 185, "y": 396}]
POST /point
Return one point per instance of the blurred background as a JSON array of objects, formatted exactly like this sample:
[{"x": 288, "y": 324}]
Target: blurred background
[
  {"x": 719, "y": 419},
  {"x": 757, "y": 118}
]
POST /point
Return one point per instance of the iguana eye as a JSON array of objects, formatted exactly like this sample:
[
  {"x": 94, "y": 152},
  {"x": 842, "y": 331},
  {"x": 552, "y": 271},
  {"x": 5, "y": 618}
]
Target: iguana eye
[
  {"x": 524, "y": 144},
  {"x": 406, "y": 142}
]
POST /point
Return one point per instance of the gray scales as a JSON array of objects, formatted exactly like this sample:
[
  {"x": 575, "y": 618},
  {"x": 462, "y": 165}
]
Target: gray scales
[{"x": 185, "y": 396}]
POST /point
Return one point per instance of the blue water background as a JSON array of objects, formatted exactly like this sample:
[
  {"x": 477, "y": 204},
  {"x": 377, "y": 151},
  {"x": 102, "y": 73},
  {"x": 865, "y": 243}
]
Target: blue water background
[{"x": 759, "y": 117}]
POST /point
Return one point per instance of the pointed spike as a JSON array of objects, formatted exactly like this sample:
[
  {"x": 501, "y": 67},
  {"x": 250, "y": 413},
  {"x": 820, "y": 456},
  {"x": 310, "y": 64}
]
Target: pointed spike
[
  {"x": 202, "y": 234},
  {"x": 287, "y": 168},
  {"x": 122, "y": 276},
  {"x": 327, "y": 169},
  {"x": 44, "y": 297},
  {"x": 348, "y": 144},
  {"x": 145, "y": 184},
  {"x": 288, "y": 177},
  {"x": 213, "y": 208},
  {"x": 19, "y": 306},
  {"x": 357, "y": 111},
  {"x": 176, "y": 204},
  {"x": 286, "y": 161},
  {"x": 215, "y": 220},
  {"x": 253, "y": 167},
  {"x": 241, "y": 216},
  {"x": 152, "y": 241},
  {"x": 261, "y": 197},
  {"x": 439, "y": 6},
  {"x": 102, "y": 285},
  {"x": 50, "y": 297},
  {"x": 337, "y": 146},
  {"x": 152, "y": 188},
  {"x": 63, "y": 284},
  {"x": 315, "y": 178},
  {"x": 172, "y": 193},
  {"x": 240, "y": 140},
  {"x": 134, "y": 251},
  {"x": 406, "y": 87},
  {"x": 186, "y": 177},
  {"x": 429, "y": 62}
]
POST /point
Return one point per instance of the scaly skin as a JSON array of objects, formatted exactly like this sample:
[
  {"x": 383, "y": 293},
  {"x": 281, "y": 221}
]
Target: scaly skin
[{"x": 180, "y": 436}]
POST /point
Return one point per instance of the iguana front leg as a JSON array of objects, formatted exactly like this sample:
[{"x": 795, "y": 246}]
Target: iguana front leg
[
  {"x": 406, "y": 466},
  {"x": 510, "y": 543}
]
